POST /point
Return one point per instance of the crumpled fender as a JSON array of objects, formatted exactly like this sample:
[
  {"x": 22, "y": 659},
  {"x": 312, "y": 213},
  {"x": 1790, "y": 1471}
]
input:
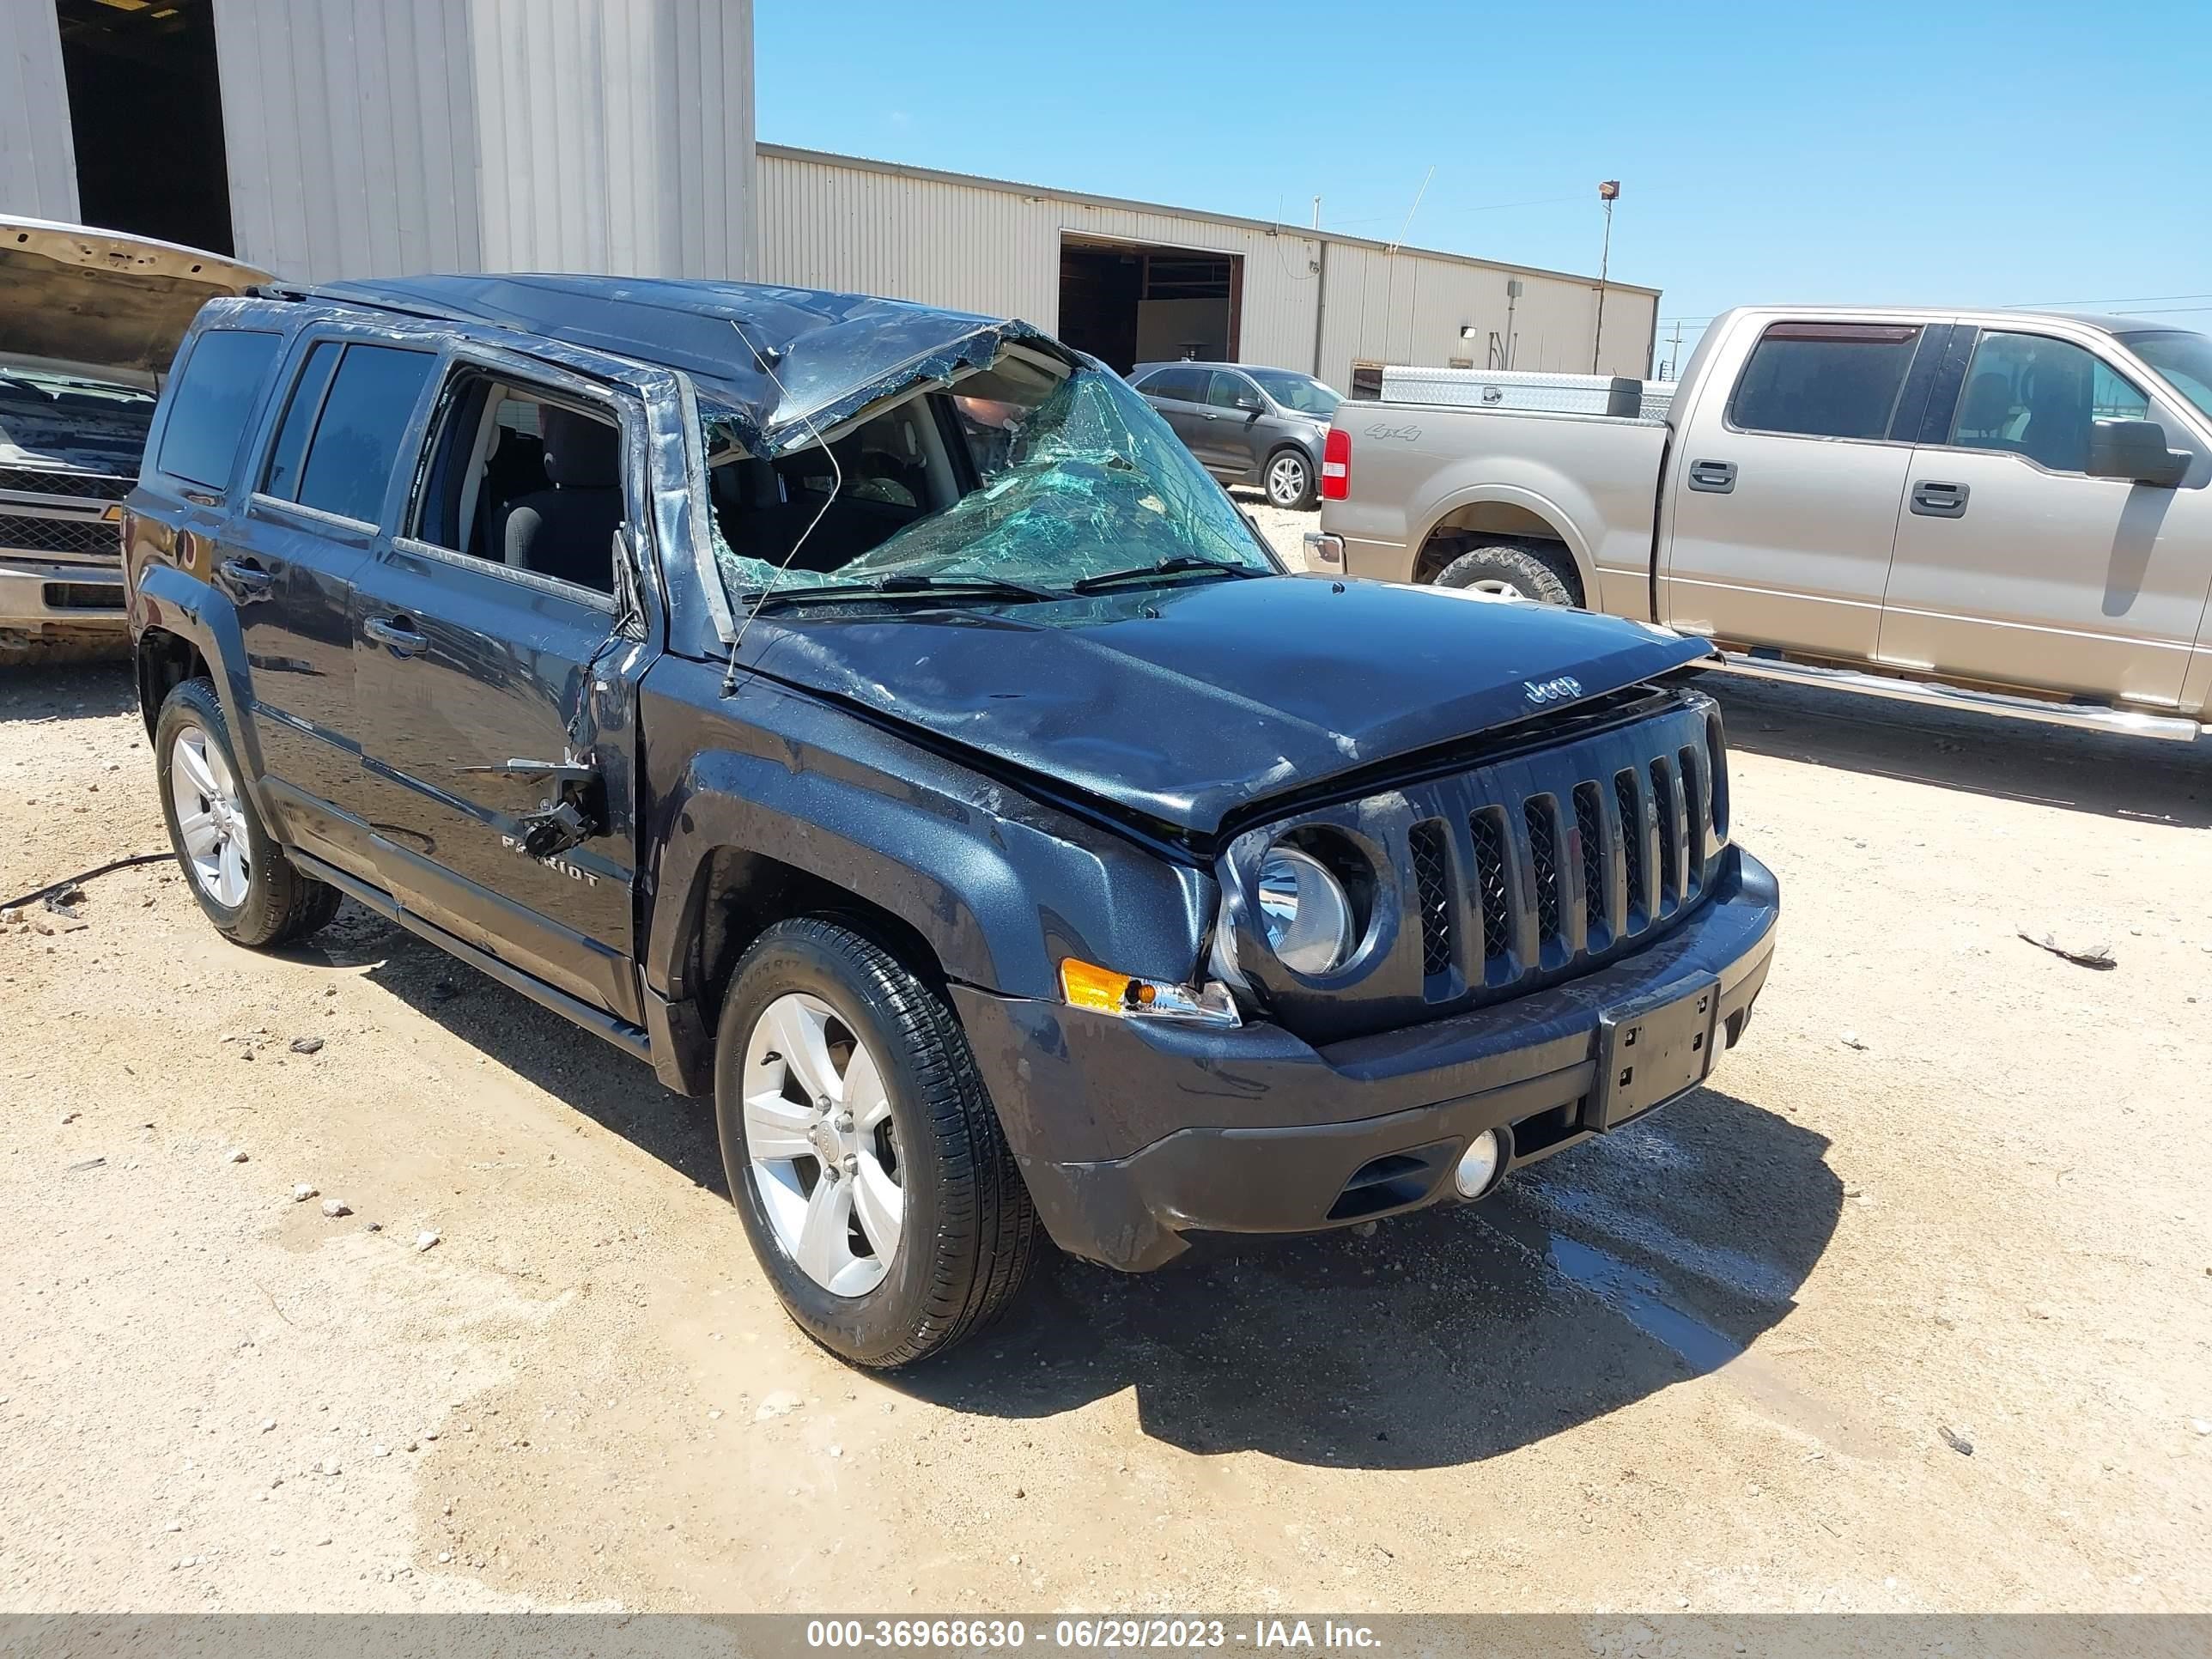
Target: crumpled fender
[{"x": 999, "y": 887}]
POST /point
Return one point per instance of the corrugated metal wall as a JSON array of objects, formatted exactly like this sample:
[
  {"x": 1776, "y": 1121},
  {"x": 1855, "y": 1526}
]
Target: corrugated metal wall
[
  {"x": 617, "y": 135},
  {"x": 503, "y": 135},
  {"x": 833, "y": 221},
  {"x": 37, "y": 162},
  {"x": 351, "y": 135},
  {"x": 1408, "y": 308}
]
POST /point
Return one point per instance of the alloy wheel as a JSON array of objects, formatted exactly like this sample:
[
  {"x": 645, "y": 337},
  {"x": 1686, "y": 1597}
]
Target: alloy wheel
[
  {"x": 821, "y": 1147},
  {"x": 210, "y": 818},
  {"x": 1286, "y": 480}
]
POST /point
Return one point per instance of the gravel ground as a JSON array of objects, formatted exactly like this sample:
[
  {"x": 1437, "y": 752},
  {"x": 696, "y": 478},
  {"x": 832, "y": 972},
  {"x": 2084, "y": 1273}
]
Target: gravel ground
[{"x": 1911, "y": 1308}]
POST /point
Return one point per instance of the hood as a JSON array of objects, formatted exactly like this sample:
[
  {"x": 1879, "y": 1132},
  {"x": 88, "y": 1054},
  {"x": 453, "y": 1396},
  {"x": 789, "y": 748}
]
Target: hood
[
  {"x": 1185, "y": 703},
  {"x": 102, "y": 300}
]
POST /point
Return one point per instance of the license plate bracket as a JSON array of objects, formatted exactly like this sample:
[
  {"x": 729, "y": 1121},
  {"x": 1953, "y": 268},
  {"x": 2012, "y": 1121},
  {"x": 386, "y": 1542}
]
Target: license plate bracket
[{"x": 1652, "y": 1049}]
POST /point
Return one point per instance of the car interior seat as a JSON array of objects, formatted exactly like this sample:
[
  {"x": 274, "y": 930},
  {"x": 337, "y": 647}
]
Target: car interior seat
[
  {"x": 1986, "y": 411},
  {"x": 567, "y": 529}
]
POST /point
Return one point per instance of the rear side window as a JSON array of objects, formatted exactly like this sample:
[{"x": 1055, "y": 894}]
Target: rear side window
[
  {"x": 305, "y": 403},
  {"x": 1188, "y": 385},
  {"x": 212, "y": 401},
  {"x": 359, "y": 432},
  {"x": 1824, "y": 379}
]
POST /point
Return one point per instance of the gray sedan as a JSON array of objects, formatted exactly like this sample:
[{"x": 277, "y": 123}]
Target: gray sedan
[{"x": 1246, "y": 425}]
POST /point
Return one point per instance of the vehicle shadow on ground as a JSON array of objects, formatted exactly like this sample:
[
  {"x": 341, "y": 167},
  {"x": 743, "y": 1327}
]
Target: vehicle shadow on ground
[
  {"x": 1614, "y": 1271},
  {"x": 1653, "y": 1256},
  {"x": 57, "y": 692},
  {"x": 2143, "y": 779},
  {"x": 615, "y": 1090}
]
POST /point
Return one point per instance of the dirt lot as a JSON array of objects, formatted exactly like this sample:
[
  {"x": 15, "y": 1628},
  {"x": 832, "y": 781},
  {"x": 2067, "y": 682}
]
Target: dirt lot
[{"x": 1950, "y": 1194}]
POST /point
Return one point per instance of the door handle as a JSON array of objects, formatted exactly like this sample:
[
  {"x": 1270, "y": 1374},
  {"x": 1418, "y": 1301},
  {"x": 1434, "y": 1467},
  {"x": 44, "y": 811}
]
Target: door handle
[
  {"x": 201, "y": 497},
  {"x": 1931, "y": 499},
  {"x": 1714, "y": 477},
  {"x": 396, "y": 632},
  {"x": 246, "y": 575},
  {"x": 1203, "y": 416}
]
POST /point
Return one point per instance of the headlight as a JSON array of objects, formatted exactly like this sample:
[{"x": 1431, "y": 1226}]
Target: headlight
[{"x": 1304, "y": 911}]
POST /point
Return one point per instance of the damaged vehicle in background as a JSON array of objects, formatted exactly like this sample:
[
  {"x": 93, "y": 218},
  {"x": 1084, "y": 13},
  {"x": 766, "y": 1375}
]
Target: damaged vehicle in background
[
  {"x": 89, "y": 322},
  {"x": 874, "y": 719}
]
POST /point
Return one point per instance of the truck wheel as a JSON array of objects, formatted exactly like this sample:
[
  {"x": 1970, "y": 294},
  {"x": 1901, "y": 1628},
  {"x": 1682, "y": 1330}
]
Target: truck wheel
[
  {"x": 1289, "y": 479},
  {"x": 251, "y": 892},
  {"x": 862, "y": 1149},
  {"x": 1513, "y": 571}
]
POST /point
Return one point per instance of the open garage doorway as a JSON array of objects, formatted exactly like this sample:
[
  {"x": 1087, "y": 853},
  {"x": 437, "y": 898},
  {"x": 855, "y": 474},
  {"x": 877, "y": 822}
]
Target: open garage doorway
[
  {"x": 146, "y": 118},
  {"x": 1128, "y": 303}
]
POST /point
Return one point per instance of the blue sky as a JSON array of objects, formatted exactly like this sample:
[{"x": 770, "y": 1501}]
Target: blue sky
[{"x": 1999, "y": 154}]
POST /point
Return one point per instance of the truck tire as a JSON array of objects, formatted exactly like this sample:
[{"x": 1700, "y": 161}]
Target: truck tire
[
  {"x": 1288, "y": 479},
  {"x": 250, "y": 890},
  {"x": 1502, "y": 568},
  {"x": 870, "y": 1172}
]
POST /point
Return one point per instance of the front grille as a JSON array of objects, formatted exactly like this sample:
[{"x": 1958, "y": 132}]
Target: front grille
[
  {"x": 1426, "y": 843},
  {"x": 1589, "y": 819},
  {"x": 23, "y": 534},
  {"x": 1668, "y": 805},
  {"x": 1536, "y": 864},
  {"x": 88, "y": 486},
  {"x": 1635, "y": 830},
  {"x": 1487, "y": 830},
  {"x": 1544, "y": 859}
]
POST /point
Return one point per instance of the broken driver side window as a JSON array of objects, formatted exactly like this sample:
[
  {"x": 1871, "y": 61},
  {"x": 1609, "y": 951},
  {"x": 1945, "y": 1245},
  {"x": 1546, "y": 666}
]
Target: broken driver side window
[{"x": 522, "y": 479}]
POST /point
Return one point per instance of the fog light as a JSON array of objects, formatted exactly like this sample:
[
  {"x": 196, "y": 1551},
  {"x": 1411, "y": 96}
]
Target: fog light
[{"x": 1478, "y": 1165}]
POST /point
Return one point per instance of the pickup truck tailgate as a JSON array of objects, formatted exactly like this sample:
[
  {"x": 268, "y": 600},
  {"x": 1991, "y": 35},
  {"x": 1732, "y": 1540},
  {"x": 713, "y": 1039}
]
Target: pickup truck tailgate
[{"x": 1423, "y": 470}]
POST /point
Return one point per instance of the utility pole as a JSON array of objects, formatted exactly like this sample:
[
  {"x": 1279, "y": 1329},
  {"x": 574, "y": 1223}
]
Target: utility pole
[
  {"x": 1674, "y": 354},
  {"x": 1607, "y": 193},
  {"x": 1317, "y": 213}
]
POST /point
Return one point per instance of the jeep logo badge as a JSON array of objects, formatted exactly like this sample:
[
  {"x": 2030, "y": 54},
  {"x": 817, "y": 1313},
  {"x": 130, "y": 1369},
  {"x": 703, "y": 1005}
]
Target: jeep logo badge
[{"x": 1543, "y": 691}]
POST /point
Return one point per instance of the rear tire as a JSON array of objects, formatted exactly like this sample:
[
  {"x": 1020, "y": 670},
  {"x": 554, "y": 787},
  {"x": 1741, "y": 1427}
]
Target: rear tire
[
  {"x": 250, "y": 890},
  {"x": 1504, "y": 568},
  {"x": 919, "y": 1157}
]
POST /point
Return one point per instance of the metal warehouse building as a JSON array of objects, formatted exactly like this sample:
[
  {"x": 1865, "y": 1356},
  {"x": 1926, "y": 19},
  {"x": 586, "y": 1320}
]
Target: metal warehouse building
[
  {"x": 1130, "y": 282},
  {"x": 327, "y": 138}
]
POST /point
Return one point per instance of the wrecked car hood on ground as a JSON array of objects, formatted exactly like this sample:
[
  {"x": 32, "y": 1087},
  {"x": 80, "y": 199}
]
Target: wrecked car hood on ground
[{"x": 1181, "y": 704}]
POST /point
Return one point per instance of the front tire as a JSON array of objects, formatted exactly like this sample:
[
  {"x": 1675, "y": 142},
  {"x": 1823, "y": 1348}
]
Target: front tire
[
  {"x": 1288, "y": 480},
  {"x": 250, "y": 890},
  {"x": 862, "y": 1149},
  {"x": 1513, "y": 571}
]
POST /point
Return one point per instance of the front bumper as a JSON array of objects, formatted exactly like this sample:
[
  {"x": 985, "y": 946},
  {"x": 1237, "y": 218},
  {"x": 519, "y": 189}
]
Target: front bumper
[
  {"x": 44, "y": 595},
  {"x": 1131, "y": 1135}
]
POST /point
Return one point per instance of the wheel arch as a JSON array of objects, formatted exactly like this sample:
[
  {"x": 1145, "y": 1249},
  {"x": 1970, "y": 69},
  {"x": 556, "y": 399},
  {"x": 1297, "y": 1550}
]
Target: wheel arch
[
  {"x": 1501, "y": 512},
  {"x": 970, "y": 885},
  {"x": 164, "y": 660}
]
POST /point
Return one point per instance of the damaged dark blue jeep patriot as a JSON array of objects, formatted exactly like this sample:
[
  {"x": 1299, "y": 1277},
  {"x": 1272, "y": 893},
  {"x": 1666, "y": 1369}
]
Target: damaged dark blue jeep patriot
[{"x": 873, "y": 718}]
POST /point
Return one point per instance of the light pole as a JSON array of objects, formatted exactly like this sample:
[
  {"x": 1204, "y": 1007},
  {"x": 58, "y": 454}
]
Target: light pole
[{"x": 1607, "y": 193}]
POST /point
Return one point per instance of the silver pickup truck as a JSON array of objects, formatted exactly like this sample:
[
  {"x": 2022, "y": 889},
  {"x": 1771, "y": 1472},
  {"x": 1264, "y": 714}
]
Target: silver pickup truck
[
  {"x": 89, "y": 322},
  {"x": 2007, "y": 510}
]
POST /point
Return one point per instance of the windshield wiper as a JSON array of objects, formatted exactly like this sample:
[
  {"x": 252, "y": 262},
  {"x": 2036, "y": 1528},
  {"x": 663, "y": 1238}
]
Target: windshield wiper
[
  {"x": 902, "y": 587},
  {"x": 1176, "y": 565}
]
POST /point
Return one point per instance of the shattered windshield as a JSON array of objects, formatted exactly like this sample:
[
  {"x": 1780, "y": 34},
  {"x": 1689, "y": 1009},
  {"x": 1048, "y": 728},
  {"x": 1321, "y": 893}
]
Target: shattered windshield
[{"x": 1017, "y": 474}]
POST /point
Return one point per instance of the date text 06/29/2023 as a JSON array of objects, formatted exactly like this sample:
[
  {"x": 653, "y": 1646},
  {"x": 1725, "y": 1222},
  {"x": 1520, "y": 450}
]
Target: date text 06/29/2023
[{"x": 1147, "y": 1634}]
